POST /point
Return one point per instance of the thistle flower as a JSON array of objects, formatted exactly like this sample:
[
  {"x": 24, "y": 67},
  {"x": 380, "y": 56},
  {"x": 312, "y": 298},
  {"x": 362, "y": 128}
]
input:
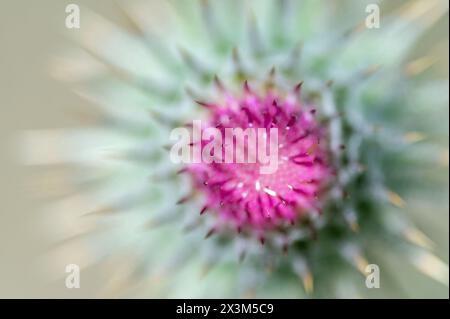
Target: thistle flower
[
  {"x": 348, "y": 147},
  {"x": 239, "y": 191}
]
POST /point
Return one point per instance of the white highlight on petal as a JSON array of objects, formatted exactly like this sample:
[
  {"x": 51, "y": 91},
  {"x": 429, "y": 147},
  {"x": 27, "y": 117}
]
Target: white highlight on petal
[{"x": 270, "y": 192}]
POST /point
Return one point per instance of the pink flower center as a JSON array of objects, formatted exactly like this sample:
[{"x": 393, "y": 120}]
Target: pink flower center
[{"x": 238, "y": 192}]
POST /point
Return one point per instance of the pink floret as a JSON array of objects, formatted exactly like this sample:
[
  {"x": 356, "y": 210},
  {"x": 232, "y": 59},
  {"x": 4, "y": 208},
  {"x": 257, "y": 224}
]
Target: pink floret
[{"x": 238, "y": 192}]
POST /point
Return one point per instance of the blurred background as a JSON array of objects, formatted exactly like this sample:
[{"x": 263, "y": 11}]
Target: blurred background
[{"x": 31, "y": 34}]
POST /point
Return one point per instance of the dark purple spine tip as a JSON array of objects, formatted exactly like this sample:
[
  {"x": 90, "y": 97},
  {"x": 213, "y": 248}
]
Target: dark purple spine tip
[
  {"x": 285, "y": 249},
  {"x": 272, "y": 71},
  {"x": 292, "y": 120},
  {"x": 204, "y": 104},
  {"x": 247, "y": 87},
  {"x": 183, "y": 200},
  {"x": 218, "y": 83},
  {"x": 262, "y": 240},
  {"x": 298, "y": 87},
  {"x": 181, "y": 171},
  {"x": 203, "y": 210},
  {"x": 210, "y": 232}
]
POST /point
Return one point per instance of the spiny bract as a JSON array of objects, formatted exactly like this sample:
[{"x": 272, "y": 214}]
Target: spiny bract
[{"x": 350, "y": 156}]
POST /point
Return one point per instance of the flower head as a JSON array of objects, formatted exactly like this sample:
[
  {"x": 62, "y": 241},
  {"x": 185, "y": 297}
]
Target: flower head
[{"x": 239, "y": 190}]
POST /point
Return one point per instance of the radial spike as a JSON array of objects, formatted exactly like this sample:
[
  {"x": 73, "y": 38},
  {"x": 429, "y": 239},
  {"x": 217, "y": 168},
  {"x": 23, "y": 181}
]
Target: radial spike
[
  {"x": 101, "y": 211},
  {"x": 360, "y": 263},
  {"x": 143, "y": 83},
  {"x": 193, "y": 63},
  {"x": 367, "y": 72},
  {"x": 163, "y": 119},
  {"x": 395, "y": 199},
  {"x": 443, "y": 159},
  {"x": 238, "y": 66},
  {"x": 161, "y": 219},
  {"x": 270, "y": 81},
  {"x": 132, "y": 23},
  {"x": 350, "y": 218},
  {"x": 249, "y": 114},
  {"x": 162, "y": 176},
  {"x": 272, "y": 72},
  {"x": 354, "y": 226},
  {"x": 247, "y": 88},
  {"x": 210, "y": 232},
  {"x": 302, "y": 163},
  {"x": 205, "y": 269},
  {"x": 308, "y": 282},
  {"x": 420, "y": 65},
  {"x": 298, "y": 88},
  {"x": 184, "y": 199},
  {"x": 415, "y": 236},
  {"x": 301, "y": 137},
  {"x": 167, "y": 147},
  {"x": 262, "y": 240},
  {"x": 236, "y": 57},
  {"x": 354, "y": 30},
  {"x": 204, "y": 104},
  {"x": 293, "y": 61},
  {"x": 431, "y": 266},
  {"x": 242, "y": 255},
  {"x": 191, "y": 225},
  {"x": 300, "y": 191},
  {"x": 313, "y": 230},
  {"x": 203, "y": 210},
  {"x": 292, "y": 120},
  {"x": 424, "y": 12},
  {"x": 413, "y": 137},
  {"x": 182, "y": 170},
  {"x": 255, "y": 35},
  {"x": 219, "y": 84},
  {"x": 208, "y": 15},
  {"x": 285, "y": 248},
  {"x": 329, "y": 83}
]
